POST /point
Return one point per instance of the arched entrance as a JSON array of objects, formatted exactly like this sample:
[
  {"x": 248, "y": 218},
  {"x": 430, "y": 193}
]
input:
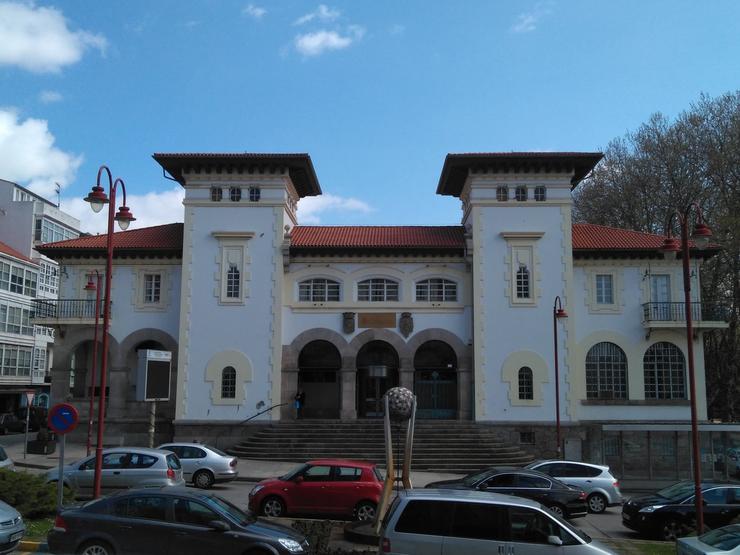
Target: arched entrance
[
  {"x": 318, "y": 377},
  {"x": 435, "y": 380},
  {"x": 377, "y": 372}
]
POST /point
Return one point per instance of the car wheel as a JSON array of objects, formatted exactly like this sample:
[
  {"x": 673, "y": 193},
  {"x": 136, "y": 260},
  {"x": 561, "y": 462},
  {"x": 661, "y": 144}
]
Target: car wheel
[
  {"x": 365, "y": 511},
  {"x": 558, "y": 510},
  {"x": 273, "y": 506},
  {"x": 670, "y": 530},
  {"x": 203, "y": 479},
  {"x": 96, "y": 547},
  {"x": 596, "y": 503}
]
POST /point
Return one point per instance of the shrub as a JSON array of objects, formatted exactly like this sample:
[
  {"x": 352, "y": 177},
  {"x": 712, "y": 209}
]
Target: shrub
[{"x": 29, "y": 494}]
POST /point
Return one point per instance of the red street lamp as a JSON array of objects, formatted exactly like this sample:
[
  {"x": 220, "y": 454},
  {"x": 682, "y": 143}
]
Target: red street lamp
[
  {"x": 700, "y": 236},
  {"x": 557, "y": 313},
  {"x": 93, "y": 287},
  {"x": 97, "y": 199}
]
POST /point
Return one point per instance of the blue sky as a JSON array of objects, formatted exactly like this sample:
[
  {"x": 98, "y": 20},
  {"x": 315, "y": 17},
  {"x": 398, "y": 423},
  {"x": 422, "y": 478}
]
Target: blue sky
[{"x": 376, "y": 92}]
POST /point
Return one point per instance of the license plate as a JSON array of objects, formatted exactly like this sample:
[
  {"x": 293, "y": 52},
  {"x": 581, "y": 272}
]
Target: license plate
[{"x": 15, "y": 537}]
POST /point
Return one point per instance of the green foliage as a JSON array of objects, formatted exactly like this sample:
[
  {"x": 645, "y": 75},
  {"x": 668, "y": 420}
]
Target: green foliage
[
  {"x": 37, "y": 529},
  {"x": 29, "y": 494}
]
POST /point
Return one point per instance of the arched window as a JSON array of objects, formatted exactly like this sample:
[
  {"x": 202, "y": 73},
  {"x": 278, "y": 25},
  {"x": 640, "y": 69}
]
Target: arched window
[
  {"x": 502, "y": 193},
  {"x": 526, "y": 383},
  {"x": 539, "y": 193},
  {"x": 318, "y": 290},
  {"x": 522, "y": 283},
  {"x": 436, "y": 290},
  {"x": 377, "y": 290},
  {"x": 232, "y": 282},
  {"x": 606, "y": 372},
  {"x": 228, "y": 383},
  {"x": 520, "y": 193},
  {"x": 665, "y": 372}
]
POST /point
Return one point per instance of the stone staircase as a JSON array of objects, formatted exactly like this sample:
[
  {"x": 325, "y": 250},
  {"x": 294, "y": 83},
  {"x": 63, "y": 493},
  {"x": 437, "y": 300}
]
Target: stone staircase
[{"x": 439, "y": 445}]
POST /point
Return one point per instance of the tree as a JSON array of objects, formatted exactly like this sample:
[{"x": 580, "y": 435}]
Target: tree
[{"x": 665, "y": 165}]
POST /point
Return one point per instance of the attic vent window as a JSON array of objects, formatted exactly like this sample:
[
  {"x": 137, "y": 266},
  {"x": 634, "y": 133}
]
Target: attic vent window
[
  {"x": 521, "y": 193},
  {"x": 235, "y": 194},
  {"x": 539, "y": 193},
  {"x": 217, "y": 193},
  {"x": 502, "y": 193},
  {"x": 254, "y": 194}
]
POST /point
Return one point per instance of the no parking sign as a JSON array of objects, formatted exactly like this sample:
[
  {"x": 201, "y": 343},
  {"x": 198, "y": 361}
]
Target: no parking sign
[{"x": 63, "y": 418}]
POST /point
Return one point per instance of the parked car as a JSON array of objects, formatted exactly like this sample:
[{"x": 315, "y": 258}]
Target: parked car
[
  {"x": 123, "y": 467},
  {"x": 422, "y": 521},
  {"x": 9, "y": 422},
  {"x": 669, "y": 513},
  {"x": 175, "y": 520},
  {"x": 5, "y": 461},
  {"x": 327, "y": 486},
  {"x": 602, "y": 489},
  {"x": 552, "y": 493},
  {"x": 203, "y": 465},
  {"x": 12, "y": 528},
  {"x": 724, "y": 540}
]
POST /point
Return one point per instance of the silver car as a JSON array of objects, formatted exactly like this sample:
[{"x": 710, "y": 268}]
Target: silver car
[
  {"x": 203, "y": 465},
  {"x": 597, "y": 481},
  {"x": 12, "y": 528},
  {"x": 123, "y": 467},
  {"x": 466, "y": 522},
  {"x": 721, "y": 541}
]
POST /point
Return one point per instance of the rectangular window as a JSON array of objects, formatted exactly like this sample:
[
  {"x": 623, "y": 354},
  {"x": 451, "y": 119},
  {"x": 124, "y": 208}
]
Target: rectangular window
[
  {"x": 232, "y": 282},
  {"x": 522, "y": 283},
  {"x": 318, "y": 290},
  {"x": 436, "y": 290},
  {"x": 521, "y": 193},
  {"x": 604, "y": 289},
  {"x": 29, "y": 283},
  {"x": 52, "y": 232},
  {"x": 16, "y": 361},
  {"x": 152, "y": 288},
  {"x": 539, "y": 193},
  {"x": 48, "y": 278},
  {"x": 235, "y": 194},
  {"x": 217, "y": 193},
  {"x": 254, "y": 194},
  {"x": 15, "y": 316},
  {"x": 377, "y": 290},
  {"x": 4, "y": 276},
  {"x": 16, "y": 280},
  {"x": 502, "y": 193}
]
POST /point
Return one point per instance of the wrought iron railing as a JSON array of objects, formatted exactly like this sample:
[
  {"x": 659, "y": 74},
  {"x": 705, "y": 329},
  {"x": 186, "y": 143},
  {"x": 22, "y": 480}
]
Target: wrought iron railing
[
  {"x": 55, "y": 309},
  {"x": 676, "y": 312}
]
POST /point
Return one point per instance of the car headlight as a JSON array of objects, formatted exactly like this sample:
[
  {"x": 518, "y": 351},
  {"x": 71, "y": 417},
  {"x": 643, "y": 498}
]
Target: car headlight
[
  {"x": 291, "y": 545},
  {"x": 255, "y": 490},
  {"x": 651, "y": 508}
]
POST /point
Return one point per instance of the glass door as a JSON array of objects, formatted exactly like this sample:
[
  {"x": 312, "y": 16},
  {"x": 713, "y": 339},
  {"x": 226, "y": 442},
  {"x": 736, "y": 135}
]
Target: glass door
[{"x": 660, "y": 297}]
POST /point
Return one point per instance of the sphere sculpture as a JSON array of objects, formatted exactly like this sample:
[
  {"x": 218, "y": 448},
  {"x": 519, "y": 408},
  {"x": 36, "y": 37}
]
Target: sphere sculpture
[{"x": 400, "y": 403}]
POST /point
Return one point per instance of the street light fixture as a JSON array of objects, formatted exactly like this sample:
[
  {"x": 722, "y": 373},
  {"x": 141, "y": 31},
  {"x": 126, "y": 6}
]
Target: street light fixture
[
  {"x": 93, "y": 287},
  {"x": 557, "y": 314},
  {"x": 97, "y": 199},
  {"x": 700, "y": 236}
]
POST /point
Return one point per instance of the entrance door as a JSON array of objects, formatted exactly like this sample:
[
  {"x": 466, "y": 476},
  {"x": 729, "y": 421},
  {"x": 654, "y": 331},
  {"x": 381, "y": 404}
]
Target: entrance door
[
  {"x": 318, "y": 377},
  {"x": 435, "y": 380},
  {"x": 374, "y": 387},
  {"x": 377, "y": 372},
  {"x": 660, "y": 296}
]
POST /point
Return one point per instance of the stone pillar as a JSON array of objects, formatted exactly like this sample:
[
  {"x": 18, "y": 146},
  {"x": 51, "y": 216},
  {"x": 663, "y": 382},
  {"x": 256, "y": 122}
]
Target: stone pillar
[
  {"x": 464, "y": 393},
  {"x": 59, "y": 386},
  {"x": 288, "y": 389},
  {"x": 348, "y": 384},
  {"x": 406, "y": 373},
  {"x": 118, "y": 390}
]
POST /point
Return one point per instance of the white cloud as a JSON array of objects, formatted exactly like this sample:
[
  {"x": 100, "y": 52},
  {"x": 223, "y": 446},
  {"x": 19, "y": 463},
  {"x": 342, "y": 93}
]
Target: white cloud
[
  {"x": 28, "y": 155},
  {"x": 38, "y": 39},
  {"x": 315, "y": 44},
  {"x": 256, "y": 12},
  {"x": 153, "y": 208},
  {"x": 323, "y": 13},
  {"x": 527, "y": 22},
  {"x": 310, "y": 209},
  {"x": 49, "y": 97}
]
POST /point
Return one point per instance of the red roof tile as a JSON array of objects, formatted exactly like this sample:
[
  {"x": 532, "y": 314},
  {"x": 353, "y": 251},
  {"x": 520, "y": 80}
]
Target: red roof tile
[
  {"x": 601, "y": 237},
  {"x": 166, "y": 237},
  {"x": 400, "y": 237},
  {"x": 10, "y": 251}
]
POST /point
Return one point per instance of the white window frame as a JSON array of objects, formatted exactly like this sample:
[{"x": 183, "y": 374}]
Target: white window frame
[
  {"x": 152, "y": 287},
  {"x": 378, "y": 290},
  {"x": 502, "y": 193},
  {"x": 319, "y": 290},
  {"x": 522, "y": 252},
  {"x": 604, "y": 288},
  {"x": 436, "y": 290},
  {"x": 233, "y": 252},
  {"x": 595, "y": 301},
  {"x": 141, "y": 299}
]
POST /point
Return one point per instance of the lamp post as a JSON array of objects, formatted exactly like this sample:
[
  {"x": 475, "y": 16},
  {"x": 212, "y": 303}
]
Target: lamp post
[
  {"x": 96, "y": 287},
  {"x": 700, "y": 235},
  {"x": 557, "y": 313},
  {"x": 97, "y": 199}
]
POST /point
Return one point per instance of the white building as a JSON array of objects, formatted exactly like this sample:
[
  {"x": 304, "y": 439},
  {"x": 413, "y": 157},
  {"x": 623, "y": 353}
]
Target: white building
[{"x": 255, "y": 307}]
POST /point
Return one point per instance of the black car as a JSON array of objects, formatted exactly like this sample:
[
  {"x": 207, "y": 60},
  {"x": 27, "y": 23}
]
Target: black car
[
  {"x": 553, "y": 494},
  {"x": 175, "y": 520},
  {"x": 669, "y": 513}
]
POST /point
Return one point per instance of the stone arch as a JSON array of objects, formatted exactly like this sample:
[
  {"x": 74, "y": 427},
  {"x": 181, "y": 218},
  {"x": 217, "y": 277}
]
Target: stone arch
[
  {"x": 147, "y": 334},
  {"x": 382, "y": 334}
]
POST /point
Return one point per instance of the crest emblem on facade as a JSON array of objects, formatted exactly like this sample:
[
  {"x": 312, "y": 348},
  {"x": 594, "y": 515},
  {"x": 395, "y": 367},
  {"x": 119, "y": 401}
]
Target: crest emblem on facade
[
  {"x": 406, "y": 324},
  {"x": 348, "y": 322}
]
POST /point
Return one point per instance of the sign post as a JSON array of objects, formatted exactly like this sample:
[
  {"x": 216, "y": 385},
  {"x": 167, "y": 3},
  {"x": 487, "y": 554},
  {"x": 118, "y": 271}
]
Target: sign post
[
  {"x": 29, "y": 400},
  {"x": 153, "y": 382},
  {"x": 63, "y": 418}
]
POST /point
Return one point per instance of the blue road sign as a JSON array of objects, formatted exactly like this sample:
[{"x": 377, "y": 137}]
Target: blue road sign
[{"x": 63, "y": 418}]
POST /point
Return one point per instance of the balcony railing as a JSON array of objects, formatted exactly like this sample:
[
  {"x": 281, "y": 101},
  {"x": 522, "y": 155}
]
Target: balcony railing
[
  {"x": 676, "y": 312},
  {"x": 63, "y": 309}
]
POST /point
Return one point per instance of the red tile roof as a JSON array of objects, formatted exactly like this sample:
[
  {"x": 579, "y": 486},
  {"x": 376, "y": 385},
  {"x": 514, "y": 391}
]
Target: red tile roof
[
  {"x": 10, "y": 251},
  {"x": 396, "y": 237},
  {"x": 593, "y": 237},
  {"x": 160, "y": 238}
]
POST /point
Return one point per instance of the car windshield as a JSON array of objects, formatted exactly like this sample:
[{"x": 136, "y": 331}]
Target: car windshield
[
  {"x": 475, "y": 477},
  {"x": 234, "y": 512},
  {"x": 723, "y": 539},
  {"x": 295, "y": 472},
  {"x": 678, "y": 491}
]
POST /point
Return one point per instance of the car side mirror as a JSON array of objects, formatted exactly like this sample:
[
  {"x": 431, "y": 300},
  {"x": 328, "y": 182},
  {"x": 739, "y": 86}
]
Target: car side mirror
[
  {"x": 299, "y": 479},
  {"x": 554, "y": 540},
  {"x": 219, "y": 525}
]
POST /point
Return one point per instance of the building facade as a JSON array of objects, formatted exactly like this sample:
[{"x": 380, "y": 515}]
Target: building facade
[{"x": 255, "y": 307}]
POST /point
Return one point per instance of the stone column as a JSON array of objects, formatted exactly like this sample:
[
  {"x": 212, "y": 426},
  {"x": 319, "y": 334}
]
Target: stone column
[
  {"x": 118, "y": 390},
  {"x": 288, "y": 383},
  {"x": 348, "y": 384},
  {"x": 59, "y": 386},
  {"x": 406, "y": 373},
  {"x": 464, "y": 394}
]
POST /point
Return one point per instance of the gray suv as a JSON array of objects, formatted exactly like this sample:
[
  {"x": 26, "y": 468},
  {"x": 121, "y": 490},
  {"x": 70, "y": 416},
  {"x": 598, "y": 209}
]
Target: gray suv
[
  {"x": 123, "y": 467},
  {"x": 422, "y": 521},
  {"x": 203, "y": 465},
  {"x": 597, "y": 481}
]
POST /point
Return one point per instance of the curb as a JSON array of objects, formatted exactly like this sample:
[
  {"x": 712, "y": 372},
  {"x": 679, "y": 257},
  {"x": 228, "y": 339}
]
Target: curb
[
  {"x": 33, "y": 546},
  {"x": 32, "y": 465}
]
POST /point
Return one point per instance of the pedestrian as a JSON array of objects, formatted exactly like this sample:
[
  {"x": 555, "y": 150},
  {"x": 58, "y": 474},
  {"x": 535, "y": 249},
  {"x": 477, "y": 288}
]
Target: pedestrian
[{"x": 299, "y": 401}]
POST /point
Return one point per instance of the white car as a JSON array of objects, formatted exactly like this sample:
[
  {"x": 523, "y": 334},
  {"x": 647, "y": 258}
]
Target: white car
[{"x": 203, "y": 465}]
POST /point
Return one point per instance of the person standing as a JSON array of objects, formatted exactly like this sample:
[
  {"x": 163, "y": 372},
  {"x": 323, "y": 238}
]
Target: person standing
[{"x": 299, "y": 401}]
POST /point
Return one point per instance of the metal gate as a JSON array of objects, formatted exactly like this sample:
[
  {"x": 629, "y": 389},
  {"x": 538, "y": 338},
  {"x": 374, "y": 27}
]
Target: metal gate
[{"x": 436, "y": 393}]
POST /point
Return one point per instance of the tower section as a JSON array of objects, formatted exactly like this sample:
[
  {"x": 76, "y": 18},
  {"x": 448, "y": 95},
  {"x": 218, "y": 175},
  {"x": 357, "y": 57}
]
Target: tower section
[
  {"x": 237, "y": 208},
  {"x": 517, "y": 215}
]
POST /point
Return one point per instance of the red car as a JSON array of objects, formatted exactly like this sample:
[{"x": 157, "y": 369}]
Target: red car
[{"x": 328, "y": 486}]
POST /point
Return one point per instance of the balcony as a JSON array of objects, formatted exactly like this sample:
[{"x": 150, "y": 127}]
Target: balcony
[
  {"x": 51, "y": 312},
  {"x": 673, "y": 315}
]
